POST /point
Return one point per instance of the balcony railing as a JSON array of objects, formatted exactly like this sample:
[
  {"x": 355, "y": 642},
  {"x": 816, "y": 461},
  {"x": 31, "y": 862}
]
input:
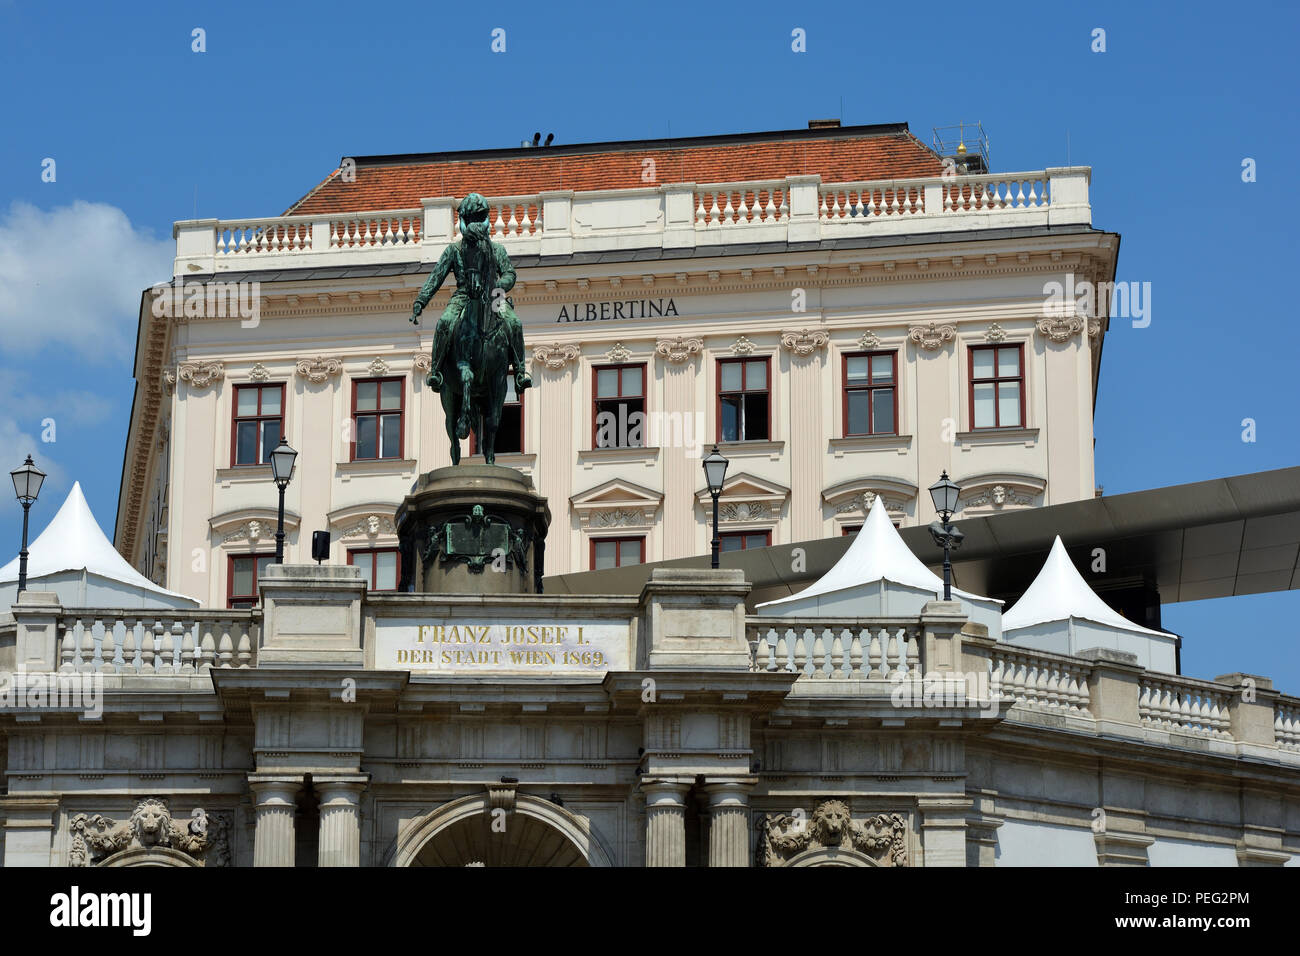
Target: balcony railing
[
  {"x": 675, "y": 216},
  {"x": 156, "y": 642},
  {"x": 831, "y": 649}
]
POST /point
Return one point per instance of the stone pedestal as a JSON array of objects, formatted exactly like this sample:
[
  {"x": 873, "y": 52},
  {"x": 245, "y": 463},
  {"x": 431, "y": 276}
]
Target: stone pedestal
[{"x": 473, "y": 529}]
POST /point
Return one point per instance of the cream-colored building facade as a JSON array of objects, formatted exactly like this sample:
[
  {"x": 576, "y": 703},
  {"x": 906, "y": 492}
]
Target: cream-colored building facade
[{"x": 673, "y": 281}]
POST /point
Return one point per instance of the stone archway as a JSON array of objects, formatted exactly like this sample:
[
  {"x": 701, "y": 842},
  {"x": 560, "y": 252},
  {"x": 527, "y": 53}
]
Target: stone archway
[{"x": 536, "y": 833}]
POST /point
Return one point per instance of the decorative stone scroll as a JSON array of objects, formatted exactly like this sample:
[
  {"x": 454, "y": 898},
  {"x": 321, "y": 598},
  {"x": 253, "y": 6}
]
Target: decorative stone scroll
[
  {"x": 422, "y": 361},
  {"x": 831, "y": 835},
  {"x": 618, "y": 353},
  {"x": 1060, "y": 328},
  {"x": 319, "y": 369},
  {"x": 932, "y": 337},
  {"x": 259, "y": 373},
  {"x": 377, "y": 367},
  {"x": 370, "y": 526},
  {"x": 555, "y": 357},
  {"x": 249, "y": 530},
  {"x": 995, "y": 334},
  {"x": 197, "y": 375},
  {"x": 742, "y": 346},
  {"x": 98, "y": 840},
  {"x": 678, "y": 350},
  {"x": 869, "y": 341},
  {"x": 864, "y": 502},
  {"x": 804, "y": 342}
]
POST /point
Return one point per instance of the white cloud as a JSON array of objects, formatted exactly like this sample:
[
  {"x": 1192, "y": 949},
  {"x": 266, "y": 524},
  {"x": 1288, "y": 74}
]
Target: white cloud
[{"x": 71, "y": 277}]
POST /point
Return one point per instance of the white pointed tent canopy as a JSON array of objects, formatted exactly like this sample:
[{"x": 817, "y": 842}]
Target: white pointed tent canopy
[
  {"x": 1059, "y": 612},
  {"x": 74, "y": 559},
  {"x": 879, "y": 576}
]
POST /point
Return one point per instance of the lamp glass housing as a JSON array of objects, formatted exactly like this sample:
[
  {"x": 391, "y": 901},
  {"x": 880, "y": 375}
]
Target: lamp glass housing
[
  {"x": 27, "y": 481},
  {"x": 715, "y": 470},
  {"x": 944, "y": 494},
  {"x": 282, "y": 461}
]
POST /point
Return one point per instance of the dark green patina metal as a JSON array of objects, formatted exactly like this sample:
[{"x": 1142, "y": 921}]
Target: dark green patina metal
[
  {"x": 478, "y": 539},
  {"x": 478, "y": 338}
]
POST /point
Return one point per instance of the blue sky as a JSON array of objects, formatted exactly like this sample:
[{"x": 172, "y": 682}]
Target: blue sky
[{"x": 144, "y": 131}]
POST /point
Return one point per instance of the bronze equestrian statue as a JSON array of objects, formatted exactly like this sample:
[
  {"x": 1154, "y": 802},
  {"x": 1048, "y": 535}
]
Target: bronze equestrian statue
[{"x": 478, "y": 337}]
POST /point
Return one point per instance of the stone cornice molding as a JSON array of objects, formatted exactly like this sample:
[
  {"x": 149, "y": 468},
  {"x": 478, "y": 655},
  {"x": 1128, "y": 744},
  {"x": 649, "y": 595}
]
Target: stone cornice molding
[
  {"x": 932, "y": 337},
  {"x": 318, "y": 370},
  {"x": 555, "y": 357},
  {"x": 678, "y": 350},
  {"x": 804, "y": 341}
]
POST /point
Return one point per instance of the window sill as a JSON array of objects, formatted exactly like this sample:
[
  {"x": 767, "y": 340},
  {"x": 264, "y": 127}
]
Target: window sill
[
  {"x": 752, "y": 449},
  {"x": 998, "y": 436},
  {"x": 589, "y": 456},
  {"x": 244, "y": 474},
  {"x": 856, "y": 443},
  {"x": 378, "y": 466}
]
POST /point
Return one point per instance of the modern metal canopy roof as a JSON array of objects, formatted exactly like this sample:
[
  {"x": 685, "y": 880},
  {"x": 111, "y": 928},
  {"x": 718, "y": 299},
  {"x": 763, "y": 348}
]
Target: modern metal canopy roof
[{"x": 1217, "y": 538}]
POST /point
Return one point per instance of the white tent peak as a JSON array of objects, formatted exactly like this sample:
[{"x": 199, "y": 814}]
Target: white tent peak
[
  {"x": 877, "y": 553},
  {"x": 73, "y": 541},
  {"x": 1060, "y": 593}
]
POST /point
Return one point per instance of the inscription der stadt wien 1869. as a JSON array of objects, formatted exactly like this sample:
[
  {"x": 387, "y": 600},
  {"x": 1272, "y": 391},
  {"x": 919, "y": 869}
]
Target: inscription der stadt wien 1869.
[{"x": 521, "y": 647}]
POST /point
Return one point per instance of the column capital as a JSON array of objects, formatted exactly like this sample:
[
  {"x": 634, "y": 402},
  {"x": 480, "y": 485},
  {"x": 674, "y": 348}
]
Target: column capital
[
  {"x": 667, "y": 790},
  {"x": 729, "y": 791},
  {"x": 267, "y": 787}
]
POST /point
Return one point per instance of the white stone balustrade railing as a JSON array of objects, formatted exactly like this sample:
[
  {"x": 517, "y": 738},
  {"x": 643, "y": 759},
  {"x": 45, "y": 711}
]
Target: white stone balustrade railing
[
  {"x": 1185, "y": 705},
  {"x": 730, "y": 204},
  {"x": 156, "y": 642},
  {"x": 1286, "y": 723},
  {"x": 828, "y": 649},
  {"x": 1039, "y": 680},
  {"x": 669, "y": 216}
]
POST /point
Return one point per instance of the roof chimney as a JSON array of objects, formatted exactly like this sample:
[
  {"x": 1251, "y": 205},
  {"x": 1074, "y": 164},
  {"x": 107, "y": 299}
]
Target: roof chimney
[{"x": 823, "y": 124}]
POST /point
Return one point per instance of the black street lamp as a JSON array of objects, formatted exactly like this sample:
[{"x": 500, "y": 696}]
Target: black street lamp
[
  {"x": 944, "y": 495},
  {"x": 27, "y": 485},
  {"x": 715, "y": 470},
  {"x": 282, "y": 460}
]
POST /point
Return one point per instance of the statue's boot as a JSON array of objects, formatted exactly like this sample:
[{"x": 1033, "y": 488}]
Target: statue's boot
[
  {"x": 522, "y": 379},
  {"x": 466, "y": 384}
]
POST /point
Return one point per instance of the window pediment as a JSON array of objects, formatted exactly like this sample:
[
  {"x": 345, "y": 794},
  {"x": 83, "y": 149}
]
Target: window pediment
[
  {"x": 855, "y": 498},
  {"x": 994, "y": 492},
  {"x": 616, "y": 504}
]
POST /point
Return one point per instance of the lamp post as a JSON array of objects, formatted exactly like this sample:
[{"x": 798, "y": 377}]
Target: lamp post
[
  {"x": 282, "y": 460},
  {"x": 944, "y": 494},
  {"x": 27, "y": 485},
  {"x": 715, "y": 470}
]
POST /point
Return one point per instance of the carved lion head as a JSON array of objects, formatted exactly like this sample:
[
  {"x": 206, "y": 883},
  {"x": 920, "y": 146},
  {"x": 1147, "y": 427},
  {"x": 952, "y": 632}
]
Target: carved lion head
[{"x": 151, "y": 821}]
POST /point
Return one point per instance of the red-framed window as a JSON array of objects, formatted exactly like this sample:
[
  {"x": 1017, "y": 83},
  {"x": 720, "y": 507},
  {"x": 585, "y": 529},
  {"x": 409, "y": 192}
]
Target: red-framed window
[
  {"x": 510, "y": 434},
  {"x": 381, "y": 567},
  {"x": 744, "y": 540},
  {"x": 618, "y": 406},
  {"x": 616, "y": 552},
  {"x": 256, "y": 423},
  {"x": 997, "y": 386},
  {"x": 871, "y": 393},
  {"x": 744, "y": 400},
  {"x": 378, "y": 410},
  {"x": 243, "y": 573}
]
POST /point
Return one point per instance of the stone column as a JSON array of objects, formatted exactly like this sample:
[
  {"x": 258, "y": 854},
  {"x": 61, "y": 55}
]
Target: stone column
[
  {"x": 276, "y": 799},
  {"x": 665, "y": 821},
  {"x": 340, "y": 818},
  {"x": 729, "y": 822}
]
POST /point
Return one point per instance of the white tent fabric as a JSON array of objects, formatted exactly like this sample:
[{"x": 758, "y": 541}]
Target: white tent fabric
[
  {"x": 1060, "y": 593},
  {"x": 876, "y": 554},
  {"x": 74, "y": 558}
]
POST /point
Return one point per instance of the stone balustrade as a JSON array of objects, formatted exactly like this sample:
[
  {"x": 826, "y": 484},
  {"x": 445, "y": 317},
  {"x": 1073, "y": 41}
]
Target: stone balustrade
[
  {"x": 1286, "y": 723},
  {"x": 1187, "y": 705},
  {"x": 829, "y": 649},
  {"x": 1038, "y": 680},
  {"x": 671, "y": 216},
  {"x": 156, "y": 642}
]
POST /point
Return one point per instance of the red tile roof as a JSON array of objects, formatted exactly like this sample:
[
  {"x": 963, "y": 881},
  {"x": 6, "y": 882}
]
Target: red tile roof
[{"x": 842, "y": 154}]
